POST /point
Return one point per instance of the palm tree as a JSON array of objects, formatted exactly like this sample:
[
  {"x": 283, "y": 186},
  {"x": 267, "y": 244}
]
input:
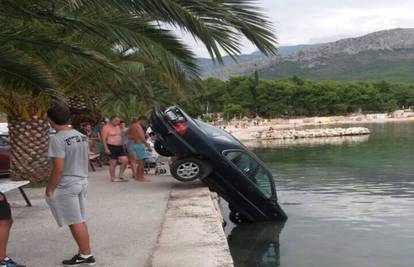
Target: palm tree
[{"x": 49, "y": 49}]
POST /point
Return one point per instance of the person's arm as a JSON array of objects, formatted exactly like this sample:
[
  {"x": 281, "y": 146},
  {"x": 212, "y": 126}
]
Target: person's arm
[
  {"x": 56, "y": 152},
  {"x": 104, "y": 137},
  {"x": 141, "y": 136},
  {"x": 57, "y": 170}
]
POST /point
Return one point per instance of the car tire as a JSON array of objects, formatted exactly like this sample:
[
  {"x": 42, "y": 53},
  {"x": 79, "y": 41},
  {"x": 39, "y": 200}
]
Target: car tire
[
  {"x": 161, "y": 150},
  {"x": 190, "y": 169}
]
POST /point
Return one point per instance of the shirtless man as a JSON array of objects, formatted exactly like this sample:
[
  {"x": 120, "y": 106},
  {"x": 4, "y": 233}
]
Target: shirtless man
[
  {"x": 136, "y": 147},
  {"x": 112, "y": 141}
]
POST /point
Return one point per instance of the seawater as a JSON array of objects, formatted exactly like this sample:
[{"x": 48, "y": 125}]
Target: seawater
[{"x": 350, "y": 203}]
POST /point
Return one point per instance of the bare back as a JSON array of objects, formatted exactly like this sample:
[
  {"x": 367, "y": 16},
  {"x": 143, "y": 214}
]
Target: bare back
[{"x": 136, "y": 133}]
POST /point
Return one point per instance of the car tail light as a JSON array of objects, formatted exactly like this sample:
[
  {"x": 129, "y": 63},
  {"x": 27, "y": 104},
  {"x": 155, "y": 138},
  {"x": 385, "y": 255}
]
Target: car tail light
[{"x": 180, "y": 127}]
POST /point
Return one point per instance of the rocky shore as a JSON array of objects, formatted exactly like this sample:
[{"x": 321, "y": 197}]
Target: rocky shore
[
  {"x": 271, "y": 134},
  {"x": 286, "y": 129}
]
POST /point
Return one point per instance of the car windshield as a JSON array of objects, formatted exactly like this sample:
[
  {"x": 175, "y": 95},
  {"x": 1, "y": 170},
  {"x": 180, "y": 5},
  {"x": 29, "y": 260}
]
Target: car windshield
[
  {"x": 215, "y": 132},
  {"x": 252, "y": 169}
]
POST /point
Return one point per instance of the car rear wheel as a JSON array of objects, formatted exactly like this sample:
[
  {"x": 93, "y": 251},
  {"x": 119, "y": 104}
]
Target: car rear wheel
[
  {"x": 161, "y": 150},
  {"x": 190, "y": 169}
]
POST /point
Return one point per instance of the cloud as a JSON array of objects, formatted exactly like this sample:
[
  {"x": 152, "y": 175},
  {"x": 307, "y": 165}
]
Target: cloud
[{"x": 305, "y": 21}]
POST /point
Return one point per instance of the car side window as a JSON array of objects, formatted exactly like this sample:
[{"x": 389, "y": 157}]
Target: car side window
[
  {"x": 251, "y": 168},
  {"x": 243, "y": 161},
  {"x": 263, "y": 181}
]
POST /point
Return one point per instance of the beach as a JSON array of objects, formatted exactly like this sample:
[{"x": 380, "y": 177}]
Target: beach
[{"x": 255, "y": 129}]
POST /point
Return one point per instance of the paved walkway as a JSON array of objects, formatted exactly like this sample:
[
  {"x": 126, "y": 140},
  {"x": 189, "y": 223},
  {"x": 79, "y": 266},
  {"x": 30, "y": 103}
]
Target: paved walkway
[{"x": 124, "y": 220}]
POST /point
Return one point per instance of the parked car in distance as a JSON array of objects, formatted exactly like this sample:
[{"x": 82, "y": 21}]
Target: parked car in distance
[
  {"x": 202, "y": 151},
  {"x": 4, "y": 155}
]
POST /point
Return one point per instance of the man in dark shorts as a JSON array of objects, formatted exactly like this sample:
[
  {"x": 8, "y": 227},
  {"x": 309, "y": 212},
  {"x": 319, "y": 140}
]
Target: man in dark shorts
[
  {"x": 114, "y": 147},
  {"x": 5, "y": 225}
]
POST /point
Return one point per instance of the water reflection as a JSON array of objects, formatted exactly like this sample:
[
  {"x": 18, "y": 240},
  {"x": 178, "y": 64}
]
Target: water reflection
[
  {"x": 341, "y": 140},
  {"x": 256, "y": 244},
  {"x": 350, "y": 204}
]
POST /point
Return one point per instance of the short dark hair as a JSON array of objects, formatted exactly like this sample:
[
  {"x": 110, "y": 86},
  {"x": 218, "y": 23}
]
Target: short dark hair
[
  {"x": 59, "y": 114},
  {"x": 142, "y": 118},
  {"x": 113, "y": 117}
]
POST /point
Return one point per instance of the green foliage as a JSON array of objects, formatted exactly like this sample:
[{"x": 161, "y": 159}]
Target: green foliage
[
  {"x": 91, "y": 47},
  {"x": 299, "y": 97},
  {"x": 231, "y": 111}
]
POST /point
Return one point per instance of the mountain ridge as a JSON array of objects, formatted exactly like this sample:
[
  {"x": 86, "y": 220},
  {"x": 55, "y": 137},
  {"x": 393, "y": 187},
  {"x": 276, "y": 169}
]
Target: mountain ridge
[{"x": 378, "y": 52}]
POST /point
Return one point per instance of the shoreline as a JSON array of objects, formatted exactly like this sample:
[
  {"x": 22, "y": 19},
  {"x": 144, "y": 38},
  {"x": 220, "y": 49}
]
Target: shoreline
[{"x": 248, "y": 130}]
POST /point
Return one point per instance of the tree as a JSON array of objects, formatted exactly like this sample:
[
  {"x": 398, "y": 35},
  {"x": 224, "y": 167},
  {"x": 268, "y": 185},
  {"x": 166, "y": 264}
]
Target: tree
[
  {"x": 232, "y": 111},
  {"x": 53, "y": 49}
]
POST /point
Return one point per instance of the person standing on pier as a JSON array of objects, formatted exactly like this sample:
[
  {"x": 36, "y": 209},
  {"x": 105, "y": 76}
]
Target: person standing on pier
[
  {"x": 68, "y": 183},
  {"x": 136, "y": 147},
  {"x": 114, "y": 147}
]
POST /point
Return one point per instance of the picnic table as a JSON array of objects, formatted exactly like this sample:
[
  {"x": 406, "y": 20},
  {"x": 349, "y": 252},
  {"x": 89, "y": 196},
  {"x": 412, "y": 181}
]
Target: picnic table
[{"x": 7, "y": 185}]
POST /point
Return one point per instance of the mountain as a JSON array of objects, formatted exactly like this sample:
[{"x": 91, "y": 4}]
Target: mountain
[
  {"x": 383, "y": 55},
  {"x": 207, "y": 65}
]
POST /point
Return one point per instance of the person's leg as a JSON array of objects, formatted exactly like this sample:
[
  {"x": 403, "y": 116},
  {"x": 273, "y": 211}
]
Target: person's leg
[
  {"x": 5, "y": 226},
  {"x": 112, "y": 166},
  {"x": 73, "y": 210},
  {"x": 141, "y": 154},
  {"x": 124, "y": 164},
  {"x": 140, "y": 171},
  {"x": 133, "y": 161},
  {"x": 139, "y": 174},
  {"x": 81, "y": 235}
]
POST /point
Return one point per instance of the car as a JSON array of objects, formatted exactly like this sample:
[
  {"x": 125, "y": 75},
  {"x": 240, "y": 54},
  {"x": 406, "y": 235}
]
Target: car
[
  {"x": 4, "y": 155},
  {"x": 202, "y": 151}
]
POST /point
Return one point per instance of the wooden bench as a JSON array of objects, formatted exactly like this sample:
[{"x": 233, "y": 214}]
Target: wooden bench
[
  {"x": 7, "y": 185},
  {"x": 95, "y": 157}
]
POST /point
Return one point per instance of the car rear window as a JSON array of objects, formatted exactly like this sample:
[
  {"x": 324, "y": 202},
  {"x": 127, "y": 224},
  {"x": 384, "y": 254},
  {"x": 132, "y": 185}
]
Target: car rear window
[{"x": 215, "y": 132}]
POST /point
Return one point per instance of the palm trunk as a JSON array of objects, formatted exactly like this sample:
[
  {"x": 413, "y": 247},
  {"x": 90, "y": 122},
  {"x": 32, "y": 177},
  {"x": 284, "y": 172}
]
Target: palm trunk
[
  {"x": 84, "y": 109},
  {"x": 28, "y": 148}
]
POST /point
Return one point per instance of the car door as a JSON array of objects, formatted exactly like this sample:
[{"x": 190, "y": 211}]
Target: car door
[
  {"x": 256, "y": 174},
  {"x": 4, "y": 154}
]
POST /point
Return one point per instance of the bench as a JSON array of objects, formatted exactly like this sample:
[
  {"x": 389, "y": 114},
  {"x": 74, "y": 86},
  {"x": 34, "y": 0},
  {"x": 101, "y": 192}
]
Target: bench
[
  {"x": 95, "y": 157},
  {"x": 7, "y": 185}
]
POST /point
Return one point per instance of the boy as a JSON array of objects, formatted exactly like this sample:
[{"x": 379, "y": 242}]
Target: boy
[{"x": 67, "y": 186}]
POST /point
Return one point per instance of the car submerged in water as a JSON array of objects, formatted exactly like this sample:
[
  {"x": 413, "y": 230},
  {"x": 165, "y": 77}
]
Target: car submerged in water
[{"x": 202, "y": 151}]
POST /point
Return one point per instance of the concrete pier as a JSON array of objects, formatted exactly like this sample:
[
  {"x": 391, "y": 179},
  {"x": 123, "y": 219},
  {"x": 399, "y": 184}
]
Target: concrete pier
[
  {"x": 192, "y": 233},
  {"x": 131, "y": 224}
]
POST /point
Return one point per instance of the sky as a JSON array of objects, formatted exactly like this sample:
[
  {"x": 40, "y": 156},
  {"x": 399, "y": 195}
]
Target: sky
[{"x": 316, "y": 21}]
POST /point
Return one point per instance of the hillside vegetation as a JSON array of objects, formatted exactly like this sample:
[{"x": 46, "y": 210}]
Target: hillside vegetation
[{"x": 247, "y": 96}]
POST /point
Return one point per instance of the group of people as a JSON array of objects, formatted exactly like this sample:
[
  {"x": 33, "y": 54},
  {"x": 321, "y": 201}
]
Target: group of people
[
  {"x": 122, "y": 145},
  {"x": 126, "y": 146},
  {"x": 68, "y": 182}
]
